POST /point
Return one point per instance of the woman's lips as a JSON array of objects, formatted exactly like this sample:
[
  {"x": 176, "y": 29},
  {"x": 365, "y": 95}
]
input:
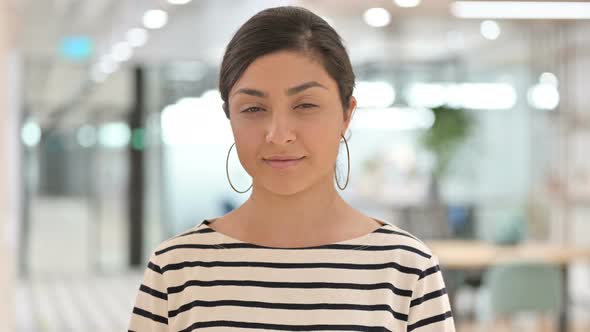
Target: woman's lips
[{"x": 281, "y": 164}]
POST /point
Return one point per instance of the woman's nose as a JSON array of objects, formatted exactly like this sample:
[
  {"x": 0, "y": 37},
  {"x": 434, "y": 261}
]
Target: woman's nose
[{"x": 280, "y": 130}]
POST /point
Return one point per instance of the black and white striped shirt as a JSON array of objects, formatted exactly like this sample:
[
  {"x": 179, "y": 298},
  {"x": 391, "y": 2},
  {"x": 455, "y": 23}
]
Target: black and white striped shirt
[{"x": 204, "y": 280}]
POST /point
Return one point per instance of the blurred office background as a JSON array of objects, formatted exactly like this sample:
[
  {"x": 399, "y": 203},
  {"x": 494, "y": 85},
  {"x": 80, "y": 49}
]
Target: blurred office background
[{"x": 472, "y": 132}]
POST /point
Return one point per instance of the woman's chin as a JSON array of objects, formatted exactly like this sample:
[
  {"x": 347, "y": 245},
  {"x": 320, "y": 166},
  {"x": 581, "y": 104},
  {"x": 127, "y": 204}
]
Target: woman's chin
[{"x": 284, "y": 187}]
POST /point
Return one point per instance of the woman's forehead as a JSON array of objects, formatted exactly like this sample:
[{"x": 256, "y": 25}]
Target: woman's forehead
[{"x": 282, "y": 71}]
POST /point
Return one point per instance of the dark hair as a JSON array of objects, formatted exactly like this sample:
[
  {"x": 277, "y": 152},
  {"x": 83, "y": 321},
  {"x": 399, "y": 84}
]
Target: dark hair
[{"x": 286, "y": 28}]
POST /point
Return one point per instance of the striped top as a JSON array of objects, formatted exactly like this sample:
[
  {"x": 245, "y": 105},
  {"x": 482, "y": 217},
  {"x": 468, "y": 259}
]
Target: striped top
[{"x": 204, "y": 280}]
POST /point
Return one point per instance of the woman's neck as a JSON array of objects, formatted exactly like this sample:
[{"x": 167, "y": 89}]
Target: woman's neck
[{"x": 318, "y": 207}]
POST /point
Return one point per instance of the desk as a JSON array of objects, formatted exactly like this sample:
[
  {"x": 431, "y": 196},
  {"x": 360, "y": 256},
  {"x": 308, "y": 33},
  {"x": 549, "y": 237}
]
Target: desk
[{"x": 478, "y": 255}]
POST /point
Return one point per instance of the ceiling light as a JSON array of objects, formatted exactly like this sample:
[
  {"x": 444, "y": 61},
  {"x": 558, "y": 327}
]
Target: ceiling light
[
  {"x": 31, "y": 134},
  {"x": 483, "y": 96},
  {"x": 121, "y": 52},
  {"x": 394, "y": 118},
  {"x": 490, "y": 30},
  {"x": 155, "y": 19},
  {"x": 137, "y": 37},
  {"x": 114, "y": 135},
  {"x": 377, "y": 17},
  {"x": 407, "y": 3},
  {"x": 107, "y": 65},
  {"x": 543, "y": 96},
  {"x": 426, "y": 95},
  {"x": 479, "y": 96},
  {"x": 521, "y": 9},
  {"x": 548, "y": 78},
  {"x": 374, "y": 94}
]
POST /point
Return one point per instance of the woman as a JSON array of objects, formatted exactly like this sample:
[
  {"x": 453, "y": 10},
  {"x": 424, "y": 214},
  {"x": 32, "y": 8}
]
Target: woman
[{"x": 295, "y": 256}]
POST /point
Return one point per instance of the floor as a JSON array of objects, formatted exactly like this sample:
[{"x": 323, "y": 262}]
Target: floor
[{"x": 93, "y": 304}]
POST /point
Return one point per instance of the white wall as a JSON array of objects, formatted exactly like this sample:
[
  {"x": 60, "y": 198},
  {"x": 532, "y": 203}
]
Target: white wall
[
  {"x": 578, "y": 163},
  {"x": 9, "y": 163}
]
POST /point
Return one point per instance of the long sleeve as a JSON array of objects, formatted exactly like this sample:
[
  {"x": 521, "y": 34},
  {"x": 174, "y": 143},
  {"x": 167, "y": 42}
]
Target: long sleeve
[
  {"x": 150, "y": 312},
  {"x": 430, "y": 309}
]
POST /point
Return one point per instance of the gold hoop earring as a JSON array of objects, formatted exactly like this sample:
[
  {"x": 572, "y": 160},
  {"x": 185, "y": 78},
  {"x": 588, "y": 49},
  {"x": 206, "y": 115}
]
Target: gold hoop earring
[
  {"x": 227, "y": 172},
  {"x": 348, "y": 173}
]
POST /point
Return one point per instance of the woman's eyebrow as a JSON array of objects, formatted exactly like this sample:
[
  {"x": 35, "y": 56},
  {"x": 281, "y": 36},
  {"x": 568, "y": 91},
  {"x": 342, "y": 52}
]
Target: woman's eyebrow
[
  {"x": 251, "y": 92},
  {"x": 302, "y": 87},
  {"x": 290, "y": 91}
]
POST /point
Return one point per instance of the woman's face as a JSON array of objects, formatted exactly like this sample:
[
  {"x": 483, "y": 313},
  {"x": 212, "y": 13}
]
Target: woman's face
[{"x": 286, "y": 105}]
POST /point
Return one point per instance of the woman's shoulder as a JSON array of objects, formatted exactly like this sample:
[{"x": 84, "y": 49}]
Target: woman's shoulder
[
  {"x": 194, "y": 236},
  {"x": 408, "y": 243}
]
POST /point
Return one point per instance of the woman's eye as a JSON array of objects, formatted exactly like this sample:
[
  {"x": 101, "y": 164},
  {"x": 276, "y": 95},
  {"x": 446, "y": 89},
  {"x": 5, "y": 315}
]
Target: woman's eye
[
  {"x": 306, "y": 105},
  {"x": 251, "y": 110}
]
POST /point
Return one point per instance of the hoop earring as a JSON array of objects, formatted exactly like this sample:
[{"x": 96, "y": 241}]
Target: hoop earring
[
  {"x": 227, "y": 172},
  {"x": 348, "y": 173}
]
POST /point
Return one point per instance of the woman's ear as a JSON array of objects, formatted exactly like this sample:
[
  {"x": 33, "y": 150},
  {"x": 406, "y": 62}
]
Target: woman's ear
[
  {"x": 225, "y": 109},
  {"x": 349, "y": 113}
]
